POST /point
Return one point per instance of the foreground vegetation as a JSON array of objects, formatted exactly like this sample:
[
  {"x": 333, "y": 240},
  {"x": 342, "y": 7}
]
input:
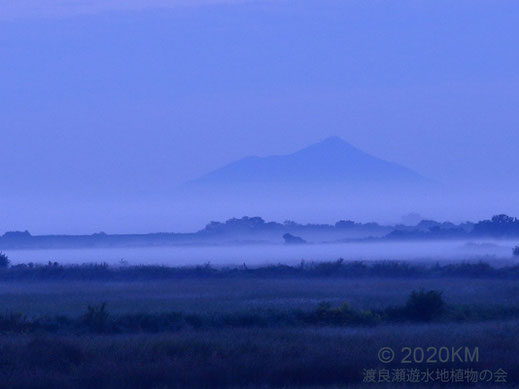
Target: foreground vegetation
[
  {"x": 239, "y": 358},
  {"x": 309, "y": 326},
  {"x": 421, "y": 306}
]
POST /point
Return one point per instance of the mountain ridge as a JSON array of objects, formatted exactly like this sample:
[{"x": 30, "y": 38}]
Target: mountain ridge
[{"x": 332, "y": 160}]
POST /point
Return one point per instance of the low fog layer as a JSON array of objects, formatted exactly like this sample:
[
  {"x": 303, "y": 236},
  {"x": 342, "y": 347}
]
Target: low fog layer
[{"x": 496, "y": 252}]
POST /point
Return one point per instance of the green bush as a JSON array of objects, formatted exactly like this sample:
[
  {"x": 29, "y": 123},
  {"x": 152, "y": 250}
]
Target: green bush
[{"x": 424, "y": 305}]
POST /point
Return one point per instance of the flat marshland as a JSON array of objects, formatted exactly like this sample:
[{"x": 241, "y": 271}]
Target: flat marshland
[
  {"x": 238, "y": 294},
  {"x": 276, "y": 328}
]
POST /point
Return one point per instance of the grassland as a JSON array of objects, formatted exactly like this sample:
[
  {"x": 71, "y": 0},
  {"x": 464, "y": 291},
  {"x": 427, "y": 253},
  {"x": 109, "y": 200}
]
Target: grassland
[
  {"x": 306, "y": 357},
  {"x": 237, "y": 294},
  {"x": 268, "y": 349}
]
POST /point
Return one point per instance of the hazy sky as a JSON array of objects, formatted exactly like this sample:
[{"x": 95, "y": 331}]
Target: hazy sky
[
  {"x": 23, "y": 9},
  {"x": 107, "y": 103}
]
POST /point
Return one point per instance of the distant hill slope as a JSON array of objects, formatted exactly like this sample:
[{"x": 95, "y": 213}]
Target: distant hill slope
[{"x": 329, "y": 163}]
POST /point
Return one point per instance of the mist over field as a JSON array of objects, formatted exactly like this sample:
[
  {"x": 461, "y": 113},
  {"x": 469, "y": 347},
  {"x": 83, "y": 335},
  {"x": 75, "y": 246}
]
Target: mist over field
[{"x": 494, "y": 252}]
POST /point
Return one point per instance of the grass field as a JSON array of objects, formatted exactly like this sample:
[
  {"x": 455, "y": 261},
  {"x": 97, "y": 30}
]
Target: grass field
[
  {"x": 274, "y": 352},
  {"x": 305, "y": 357},
  {"x": 237, "y": 294}
]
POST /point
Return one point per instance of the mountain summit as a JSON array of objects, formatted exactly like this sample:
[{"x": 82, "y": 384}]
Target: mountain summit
[{"x": 331, "y": 163}]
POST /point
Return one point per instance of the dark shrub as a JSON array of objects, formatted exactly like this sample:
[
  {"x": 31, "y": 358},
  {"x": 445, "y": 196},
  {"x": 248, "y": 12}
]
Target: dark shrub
[
  {"x": 4, "y": 261},
  {"x": 96, "y": 318},
  {"x": 424, "y": 306}
]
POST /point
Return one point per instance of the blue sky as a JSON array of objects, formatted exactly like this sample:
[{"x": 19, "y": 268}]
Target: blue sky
[{"x": 109, "y": 101}]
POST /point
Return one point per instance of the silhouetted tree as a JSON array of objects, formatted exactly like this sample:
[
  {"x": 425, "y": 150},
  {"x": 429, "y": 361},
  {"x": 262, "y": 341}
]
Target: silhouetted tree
[{"x": 498, "y": 226}]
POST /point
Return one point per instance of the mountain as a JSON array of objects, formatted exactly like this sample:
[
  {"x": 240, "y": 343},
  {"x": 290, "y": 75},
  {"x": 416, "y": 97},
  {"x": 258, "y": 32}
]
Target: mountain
[{"x": 331, "y": 163}]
